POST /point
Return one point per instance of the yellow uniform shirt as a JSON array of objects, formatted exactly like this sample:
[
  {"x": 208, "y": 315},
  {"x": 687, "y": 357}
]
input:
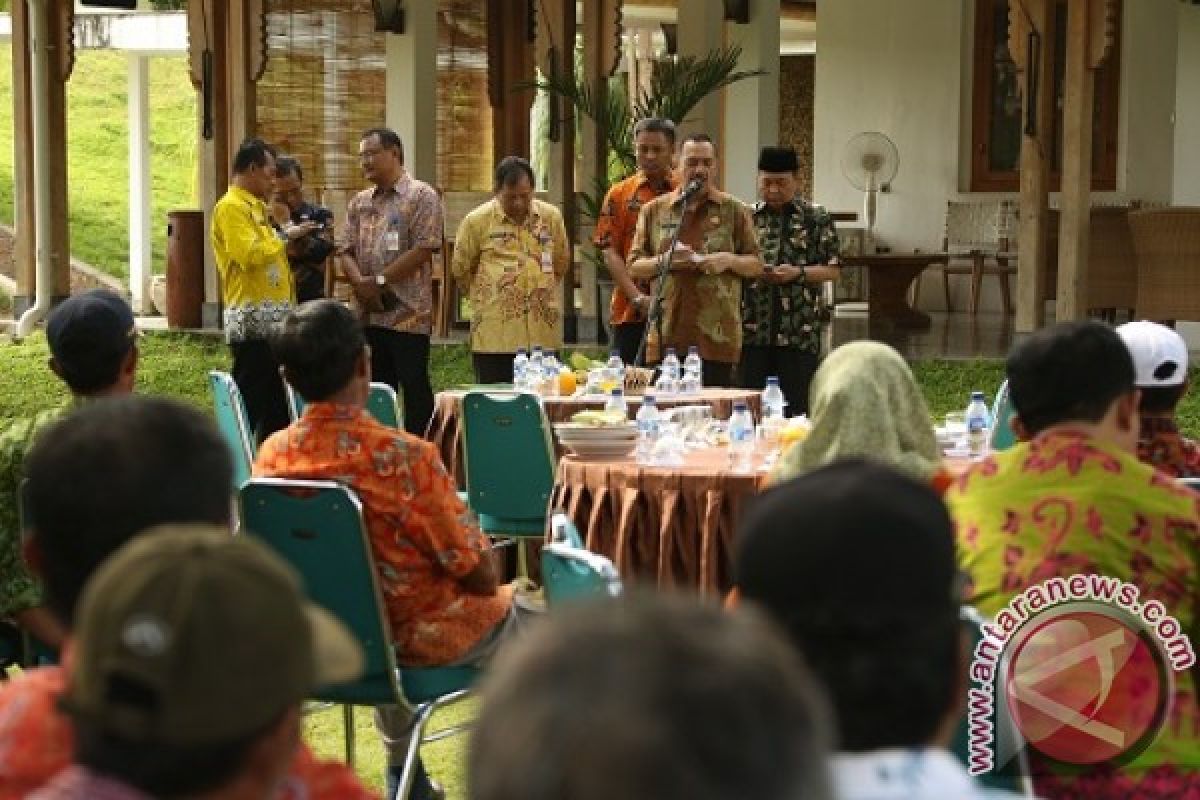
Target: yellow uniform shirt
[
  {"x": 512, "y": 274},
  {"x": 256, "y": 283}
]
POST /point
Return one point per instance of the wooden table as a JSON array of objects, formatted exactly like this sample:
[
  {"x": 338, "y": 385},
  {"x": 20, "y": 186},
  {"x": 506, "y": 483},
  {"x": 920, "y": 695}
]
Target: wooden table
[
  {"x": 670, "y": 527},
  {"x": 889, "y": 276},
  {"x": 445, "y": 432}
]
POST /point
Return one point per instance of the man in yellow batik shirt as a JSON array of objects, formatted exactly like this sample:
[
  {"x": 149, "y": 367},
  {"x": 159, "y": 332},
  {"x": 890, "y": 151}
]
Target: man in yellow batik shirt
[
  {"x": 257, "y": 289},
  {"x": 510, "y": 256}
]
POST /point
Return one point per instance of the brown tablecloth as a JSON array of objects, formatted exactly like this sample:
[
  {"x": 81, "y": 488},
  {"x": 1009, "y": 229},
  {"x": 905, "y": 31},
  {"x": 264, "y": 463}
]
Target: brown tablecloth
[
  {"x": 444, "y": 430},
  {"x": 670, "y": 526}
]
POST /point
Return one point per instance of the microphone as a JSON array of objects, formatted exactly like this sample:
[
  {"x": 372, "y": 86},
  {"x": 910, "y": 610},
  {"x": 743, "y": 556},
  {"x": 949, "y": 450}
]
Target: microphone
[{"x": 689, "y": 191}]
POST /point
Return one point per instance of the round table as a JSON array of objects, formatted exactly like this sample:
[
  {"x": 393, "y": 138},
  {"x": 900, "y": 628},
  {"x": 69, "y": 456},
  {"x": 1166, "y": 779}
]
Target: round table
[
  {"x": 445, "y": 432},
  {"x": 670, "y": 526}
]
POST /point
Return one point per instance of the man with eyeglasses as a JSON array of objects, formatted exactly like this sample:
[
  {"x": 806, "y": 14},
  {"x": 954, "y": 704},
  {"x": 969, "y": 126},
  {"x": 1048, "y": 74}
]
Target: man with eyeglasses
[{"x": 386, "y": 250}]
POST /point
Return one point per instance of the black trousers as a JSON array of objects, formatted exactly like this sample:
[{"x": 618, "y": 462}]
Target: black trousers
[
  {"x": 625, "y": 339},
  {"x": 795, "y": 369},
  {"x": 256, "y": 373},
  {"x": 717, "y": 373},
  {"x": 493, "y": 367},
  {"x": 401, "y": 360}
]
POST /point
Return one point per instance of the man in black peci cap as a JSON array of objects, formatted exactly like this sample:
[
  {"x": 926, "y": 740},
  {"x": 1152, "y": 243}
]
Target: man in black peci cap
[
  {"x": 93, "y": 350},
  {"x": 194, "y": 651},
  {"x": 857, "y": 563},
  {"x": 783, "y": 313}
]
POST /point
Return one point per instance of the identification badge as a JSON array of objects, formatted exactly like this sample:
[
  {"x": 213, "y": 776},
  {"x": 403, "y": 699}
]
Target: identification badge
[
  {"x": 392, "y": 241},
  {"x": 547, "y": 262}
]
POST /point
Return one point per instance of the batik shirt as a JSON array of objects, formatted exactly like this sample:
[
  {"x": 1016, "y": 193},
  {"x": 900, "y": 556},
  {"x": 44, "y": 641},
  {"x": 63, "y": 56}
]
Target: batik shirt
[
  {"x": 512, "y": 273},
  {"x": 615, "y": 226},
  {"x": 256, "y": 282},
  {"x": 37, "y": 744},
  {"x": 423, "y": 538},
  {"x": 1067, "y": 503},
  {"x": 698, "y": 310},
  {"x": 793, "y": 314},
  {"x": 1162, "y": 446},
  {"x": 19, "y": 591},
  {"x": 381, "y": 226}
]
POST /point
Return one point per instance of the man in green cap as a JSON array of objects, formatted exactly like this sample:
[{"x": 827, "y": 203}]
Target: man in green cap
[{"x": 783, "y": 313}]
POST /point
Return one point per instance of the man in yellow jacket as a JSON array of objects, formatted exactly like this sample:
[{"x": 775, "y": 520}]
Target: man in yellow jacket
[{"x": 257, "y": 289}]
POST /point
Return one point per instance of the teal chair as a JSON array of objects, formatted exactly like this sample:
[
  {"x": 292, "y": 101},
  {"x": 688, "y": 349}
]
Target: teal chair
[
  {"x": 317, "y": 527},
  {"x": 1010, "y": 777},
  {"x": 233, "y": 424},
  {"x": 509, "y": 461},
  {"x": 1002, "y": 413},
  {"x": 571, "y": 573},
  {"x": 382, "y": 404}
]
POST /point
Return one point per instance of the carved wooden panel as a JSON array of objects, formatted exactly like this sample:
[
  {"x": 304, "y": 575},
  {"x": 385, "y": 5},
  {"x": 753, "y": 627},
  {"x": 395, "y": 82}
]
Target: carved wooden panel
[
  {"x": 63, "y": 16},
  {"x": 1102, "y": 24}
]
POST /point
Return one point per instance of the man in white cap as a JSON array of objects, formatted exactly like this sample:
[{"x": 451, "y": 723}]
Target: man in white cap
[{"x": 1160, "y": 362}]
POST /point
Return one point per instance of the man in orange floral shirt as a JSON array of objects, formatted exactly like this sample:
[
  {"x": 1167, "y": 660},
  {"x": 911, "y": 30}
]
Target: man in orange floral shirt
[
  {"x": 654, "y": 140},
  {"x": 439, "y": 584},
  {"x": 96, "y": 480}
]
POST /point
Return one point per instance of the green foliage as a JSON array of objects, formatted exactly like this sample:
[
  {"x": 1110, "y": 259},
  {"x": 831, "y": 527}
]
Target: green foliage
[{"x": 97, "y": 153}]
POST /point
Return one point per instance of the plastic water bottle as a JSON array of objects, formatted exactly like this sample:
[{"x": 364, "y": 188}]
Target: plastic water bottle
[
  {"x": 648, "y": 425},
  {"x": 741, "y": 437},
  {"x": 772, "y": 400},
  {"x": 979, "y": 424},
  {"x": 535, "y": 373},
  {"x": 520, "y": 369},
  {"x": 615, "y": 367},
  {"x": 670, "y": 365},
  {"x": 550, "y": 381},
  {"x": 693, "y": 371},
  {"x": 616, "y": 402}
]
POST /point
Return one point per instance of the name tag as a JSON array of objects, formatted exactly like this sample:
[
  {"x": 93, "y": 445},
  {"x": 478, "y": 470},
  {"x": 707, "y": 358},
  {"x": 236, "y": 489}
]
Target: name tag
[
  {"x": 547, "y": 262},
  {"x": 392, "y": 241}
]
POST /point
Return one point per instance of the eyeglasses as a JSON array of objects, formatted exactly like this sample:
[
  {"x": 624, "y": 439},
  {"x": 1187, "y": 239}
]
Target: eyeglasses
[{"x": 367, "y": 155}]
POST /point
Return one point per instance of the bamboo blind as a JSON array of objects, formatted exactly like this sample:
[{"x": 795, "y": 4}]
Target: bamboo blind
[
  {"x": 323, "y": 86},
  {"x": 464, "y": 114}
]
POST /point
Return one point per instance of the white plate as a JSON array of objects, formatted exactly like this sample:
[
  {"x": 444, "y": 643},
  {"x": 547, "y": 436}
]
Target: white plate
[
  {"x": 572, "y": 432},
  {"x": 615, "y": 450}
]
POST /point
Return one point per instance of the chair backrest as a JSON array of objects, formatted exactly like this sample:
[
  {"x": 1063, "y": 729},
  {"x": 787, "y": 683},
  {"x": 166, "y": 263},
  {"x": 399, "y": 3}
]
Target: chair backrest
[
  {"x": 1191, "y": 483},
  {"x": 508, "y": 453},
  {"x": 383, "y": 406},
  {"x": 1002, "y": 413},
  {"x": 985, "y": 225},
  {"x": 317, "y": 527},
  {"x": 563, "y": 531},
  {"x": 233, "y": 423},
  {"x": 1010, "y": 777},
  {"x": 571, "y": 575}
]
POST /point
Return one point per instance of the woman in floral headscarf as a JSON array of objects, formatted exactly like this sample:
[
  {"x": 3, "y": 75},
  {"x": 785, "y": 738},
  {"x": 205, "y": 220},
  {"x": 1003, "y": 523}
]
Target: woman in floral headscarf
[{"x": 865, "y": 403}]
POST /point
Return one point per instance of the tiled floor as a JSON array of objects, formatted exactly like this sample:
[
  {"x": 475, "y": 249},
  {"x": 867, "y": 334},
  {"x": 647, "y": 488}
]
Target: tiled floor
[{"x": 954, "y": 335}]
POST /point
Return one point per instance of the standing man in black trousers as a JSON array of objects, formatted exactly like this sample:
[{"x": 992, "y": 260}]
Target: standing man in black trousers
[{"x": 386, "y": 250}]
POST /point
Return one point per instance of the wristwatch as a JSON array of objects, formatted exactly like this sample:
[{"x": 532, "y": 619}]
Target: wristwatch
[{"x": 381, "y": 281}]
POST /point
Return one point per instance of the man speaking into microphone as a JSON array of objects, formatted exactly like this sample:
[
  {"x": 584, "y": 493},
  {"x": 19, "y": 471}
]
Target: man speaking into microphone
[{"x": 716, "y": 249}]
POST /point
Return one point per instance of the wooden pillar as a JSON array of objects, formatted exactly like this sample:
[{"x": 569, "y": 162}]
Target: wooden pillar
[
  {"x": 1037, "y": 73},
  {"x": 751, "y": 118},
  {"x": 411, "y": 59},
  {"x": 510, "y": 63},
  {"x": 61, "y": 19},
  {"x": 1090, "y": 27},
  {"x": 701, "y": 26},
  {"x": 24, "y": 249}
]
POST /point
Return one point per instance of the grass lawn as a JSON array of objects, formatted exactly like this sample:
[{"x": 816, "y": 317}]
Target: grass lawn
[
  {"x": 176, "y": 365},
  {"x": 98, "y": 153}
]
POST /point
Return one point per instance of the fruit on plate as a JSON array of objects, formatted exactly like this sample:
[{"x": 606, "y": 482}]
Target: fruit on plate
[
  {"x": 567, "y": 382},
  {"x": 599, "y": 418}
]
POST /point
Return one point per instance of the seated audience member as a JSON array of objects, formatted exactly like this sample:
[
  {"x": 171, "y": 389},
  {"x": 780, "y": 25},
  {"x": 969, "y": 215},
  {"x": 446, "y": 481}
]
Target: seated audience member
[
  {"x": 1072, "y": 498},
  {"x": 97, "y": 480},
  {"x": 882, "y": 633},
  {"x": 650, "y": 698},
  {"x": 435, "y": 568},
  {"x": 93, "y": 350},
  {"x": 865, "y": 403},
  {"x": 178, "y": 689},
  {"x": 1160, "y": 366}
]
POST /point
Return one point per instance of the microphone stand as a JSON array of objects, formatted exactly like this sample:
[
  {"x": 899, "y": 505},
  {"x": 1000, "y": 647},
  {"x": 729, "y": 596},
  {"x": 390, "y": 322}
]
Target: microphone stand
[{"x": 654, "y": 317}]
